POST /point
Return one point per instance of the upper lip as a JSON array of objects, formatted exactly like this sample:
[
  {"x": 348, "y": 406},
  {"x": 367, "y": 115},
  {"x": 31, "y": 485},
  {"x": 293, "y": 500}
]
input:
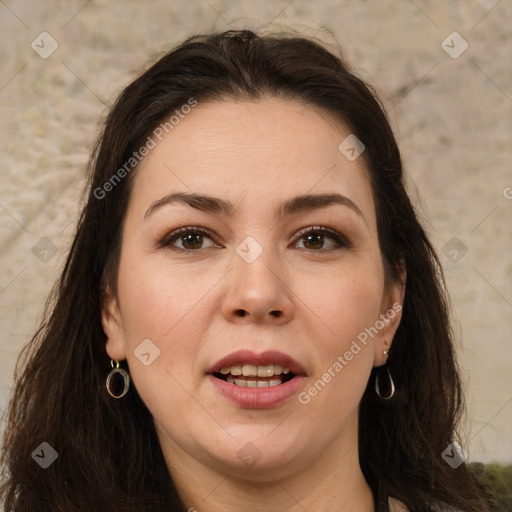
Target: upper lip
[{"x": 241, "y": 357}]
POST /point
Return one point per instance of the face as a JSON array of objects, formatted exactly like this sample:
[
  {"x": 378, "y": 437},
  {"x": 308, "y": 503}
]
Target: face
[{"x": 224, "y": 272}]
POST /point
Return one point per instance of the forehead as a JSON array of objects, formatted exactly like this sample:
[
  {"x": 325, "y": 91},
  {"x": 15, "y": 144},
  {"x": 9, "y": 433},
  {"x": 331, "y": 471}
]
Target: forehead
[{"x": 255, "y": 153}]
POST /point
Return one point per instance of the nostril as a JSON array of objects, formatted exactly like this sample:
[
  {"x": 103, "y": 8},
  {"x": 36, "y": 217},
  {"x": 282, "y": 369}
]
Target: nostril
[{"x": 276, "y": 312}]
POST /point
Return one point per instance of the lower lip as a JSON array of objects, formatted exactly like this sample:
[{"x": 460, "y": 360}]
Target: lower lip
[{"x": 258, "y": 398}]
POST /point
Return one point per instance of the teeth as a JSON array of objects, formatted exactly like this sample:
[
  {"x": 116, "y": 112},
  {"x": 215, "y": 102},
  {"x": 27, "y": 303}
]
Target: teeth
[
  {"x": 253, "y": 383},
  {"x": 266, "y": 371},
  {"x": 249, "y": 370},
  {"x": 235, "y": 370}
]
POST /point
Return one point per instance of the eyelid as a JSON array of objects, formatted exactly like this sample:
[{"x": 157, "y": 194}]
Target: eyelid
[
  {"x": 341, "y": 240},
  {"x": 167, "y": 239}
]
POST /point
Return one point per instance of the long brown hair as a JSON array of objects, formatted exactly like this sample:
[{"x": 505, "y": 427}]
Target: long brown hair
[{"x": 109, "y": 457}]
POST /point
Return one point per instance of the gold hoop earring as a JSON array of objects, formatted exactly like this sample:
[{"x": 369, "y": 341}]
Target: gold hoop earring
[
  {"x": 125, "y": 376},
  {"x": 391, "y": 385}
]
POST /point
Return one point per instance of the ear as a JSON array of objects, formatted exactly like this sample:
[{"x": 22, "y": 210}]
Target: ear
[
  {"x": 112, "y": 325},
  {"x": 390, "y": 316}
]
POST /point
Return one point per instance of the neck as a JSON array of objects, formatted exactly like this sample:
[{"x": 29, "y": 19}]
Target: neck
[{"x": 333, "y": 480}]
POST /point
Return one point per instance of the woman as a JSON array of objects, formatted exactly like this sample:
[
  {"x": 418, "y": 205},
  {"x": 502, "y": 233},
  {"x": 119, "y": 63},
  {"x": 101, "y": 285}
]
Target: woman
[{"x": 250, "y": 314}]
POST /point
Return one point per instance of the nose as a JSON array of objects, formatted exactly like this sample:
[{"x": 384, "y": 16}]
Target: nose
[{"x": 257, "y": 292}]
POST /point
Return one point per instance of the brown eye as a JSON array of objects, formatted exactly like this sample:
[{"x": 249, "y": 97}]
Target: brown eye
[
  {"x": 192, "y": 241},
  {"x": 317, "y": 239},
  {"x": 187, "y": 239},
  {"x": 313, "y": 241}
]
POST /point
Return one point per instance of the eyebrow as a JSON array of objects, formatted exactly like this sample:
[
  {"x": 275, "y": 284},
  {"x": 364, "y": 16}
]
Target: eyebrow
[{"x": 298, "y": 204}]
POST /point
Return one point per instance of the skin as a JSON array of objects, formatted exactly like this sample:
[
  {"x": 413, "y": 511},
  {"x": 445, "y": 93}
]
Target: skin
[{"x": 256, "y": 155}]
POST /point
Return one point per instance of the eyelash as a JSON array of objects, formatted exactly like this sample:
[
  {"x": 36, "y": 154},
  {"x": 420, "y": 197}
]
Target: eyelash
[{"x": 168, "y": 239}]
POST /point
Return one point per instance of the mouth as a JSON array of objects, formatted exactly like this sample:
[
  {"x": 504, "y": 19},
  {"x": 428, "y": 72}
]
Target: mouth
[
  {"x": 257, "y": 381},
  {"x": 247, "y": 369},
  {"x": 252, "y": 376}
]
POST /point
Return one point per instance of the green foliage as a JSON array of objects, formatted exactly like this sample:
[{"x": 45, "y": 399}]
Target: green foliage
[{"x": 498, "y": 480}]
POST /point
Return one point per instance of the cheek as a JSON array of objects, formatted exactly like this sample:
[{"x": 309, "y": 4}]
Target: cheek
[
  {"x": 345, "y": 301},
  {"x": 167, "y": 307},
  {"x": 348, "y": 303},
  {"x": 158, "y": 298}
]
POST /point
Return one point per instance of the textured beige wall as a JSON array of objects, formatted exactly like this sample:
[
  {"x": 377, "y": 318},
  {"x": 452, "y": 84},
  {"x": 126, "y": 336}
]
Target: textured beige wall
[{"x": 452, "y": 117}]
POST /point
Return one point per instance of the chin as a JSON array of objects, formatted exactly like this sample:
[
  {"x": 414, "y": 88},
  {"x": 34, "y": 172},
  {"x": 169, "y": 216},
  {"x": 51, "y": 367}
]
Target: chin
[{"x": 253, "y": 457}]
